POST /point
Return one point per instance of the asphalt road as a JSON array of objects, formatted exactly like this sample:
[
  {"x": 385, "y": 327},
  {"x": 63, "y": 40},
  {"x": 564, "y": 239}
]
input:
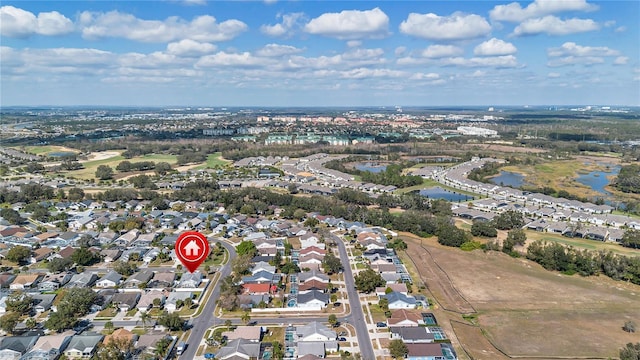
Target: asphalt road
[
  {"x": 206, "y": 318},
  {"x": 357, "y": 316}
]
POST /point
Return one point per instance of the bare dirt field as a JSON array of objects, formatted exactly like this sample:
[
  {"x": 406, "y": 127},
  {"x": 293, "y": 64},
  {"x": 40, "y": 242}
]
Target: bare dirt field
[
  {"x": 524, "y": 310},
  {"x": 102, "y": 155}
]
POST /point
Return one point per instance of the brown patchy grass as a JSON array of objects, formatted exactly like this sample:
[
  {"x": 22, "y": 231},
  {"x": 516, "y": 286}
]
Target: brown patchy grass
[{"x": 525, "y": 310}]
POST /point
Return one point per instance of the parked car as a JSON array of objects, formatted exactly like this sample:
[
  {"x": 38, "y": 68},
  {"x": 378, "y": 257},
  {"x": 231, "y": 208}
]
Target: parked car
[
  {"x": 336, "y": 304},
  {"x": 381, "y": 324},
  {"x": 342, "y": 333},
  {"x": 342, "y": 339}
]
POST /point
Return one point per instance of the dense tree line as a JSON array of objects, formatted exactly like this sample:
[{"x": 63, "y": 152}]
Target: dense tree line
[
  {"x": 631, "y": 238},
  {"x": 28, "y": 193},
  {"x": 126, "y": 166},
  {"x": 554, "y": 256},
  {"x": 628, "y": 179}
]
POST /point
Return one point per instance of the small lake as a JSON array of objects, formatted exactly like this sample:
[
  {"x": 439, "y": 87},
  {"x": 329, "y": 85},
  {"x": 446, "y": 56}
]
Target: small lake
[
  {"x": 372, "y": 167},
  {"x": 61, "y": 154},
  {"x": 437, "y": 192},
  {"x": 508, "y": 178},
  {"x": 597, "y": 180}
]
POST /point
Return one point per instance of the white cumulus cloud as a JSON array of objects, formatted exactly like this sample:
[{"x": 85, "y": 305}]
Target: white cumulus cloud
[
  {"x": 277, "y": 50},
  {"x": 203, "y": 28},
  {"x": 494, "y": 47},
  {"x": 573, "y": 49},
  {"x": 350, "y": 24},
  {"x": 190, "y": 48},
  {"x": 19, "y": 23},
  {"x": 222, "y": 58},
  {"x": 290, "y": 22},
  {"x": 440, "y": 51},
  {"x": 552, "y": 25},
  {"x": 457, "y": 26},
  {"x": 621, "y": 60},
  {"x": 513, "y": 12},
  {"x": 506, "y": 61}
]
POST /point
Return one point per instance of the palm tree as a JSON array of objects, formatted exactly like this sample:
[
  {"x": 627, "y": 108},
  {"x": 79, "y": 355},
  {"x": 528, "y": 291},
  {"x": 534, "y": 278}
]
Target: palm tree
[
  {"x": 144, "y": 317},
  {"x": 245, "y": 317},
  {"x": 227, "y": 323}
]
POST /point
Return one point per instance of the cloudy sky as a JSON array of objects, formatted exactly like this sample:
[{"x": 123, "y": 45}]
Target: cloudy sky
[{"x": 319, "y": 53}]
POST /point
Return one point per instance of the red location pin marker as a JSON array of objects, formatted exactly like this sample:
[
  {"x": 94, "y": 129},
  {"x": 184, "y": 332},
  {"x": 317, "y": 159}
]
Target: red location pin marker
[{"x": 192, "y": 248}]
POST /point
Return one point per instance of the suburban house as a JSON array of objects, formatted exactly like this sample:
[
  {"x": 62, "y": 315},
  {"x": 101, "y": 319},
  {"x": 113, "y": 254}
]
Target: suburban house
[
  {"x": 399, "y": 301},
  {"x": 190, "y": 280},
  {"x": 135, "y": 280},
  {"x": 315, "y": 331},
  {"x": 82, "y": 346},
  {"x": 170, "y": 304},
  {"x": 430, "y": 351},
  {"x": 13, "y": 347},
  {"x": 110, "y": 255},
  {"x": 146, "y": 343},
  {"x": 42, "y": 302},
  {"x": 239, "y": 349},
  {"x": 313, "y": 298},
  {"x": 412, "y": 335},
  {"x": 404, "y": 317},
  {"x": 251, "y": 333},
  {"x": 110, "y": 279},
  {"x": 52, "y": 282},
  {"x": 85, "y": 279},
  {"x": 162, "y": 279},
  {"x": 398, "y": 287},
  {"x": 125, "y": 301},
  {"x": 146, "y": 300},
  {"x": 25, "y": 281},
  {"x": 48, "y": 347}
]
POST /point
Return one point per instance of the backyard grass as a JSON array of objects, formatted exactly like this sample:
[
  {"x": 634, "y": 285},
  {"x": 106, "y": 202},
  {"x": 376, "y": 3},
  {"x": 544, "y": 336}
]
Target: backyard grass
[
  {"x": 106, "y": 313},
  {"x": 274, "y": 334}
]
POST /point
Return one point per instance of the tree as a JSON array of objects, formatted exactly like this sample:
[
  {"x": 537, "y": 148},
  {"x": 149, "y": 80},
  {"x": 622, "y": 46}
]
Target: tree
[
  {"x": 331, "y": 264},
  {"x": 311, "y": 222},
  {"x": 157, "y": 302},
  {"x": 398, "y": 349},
  {"x": 144, "y": 318},
  {"x": 9, "y": 321},
  {"x": 19, "y": 302},
  {"x": 59, "y": 264},
  {"x": 76, "y": 194},
  {"x": 30, "y": 323},
  {"x": 12, "y": 216},
  {"x": 514, "y": 237},
  {"x": 162, "y": 168},
  {"x": 629, "y": 326},
  {"x": 631, "y": 238},
  {"x": 108, "y": 326},
  {"x": 104, "y": 172},
  {"x": 18, "y": 254},
  {"x": 227, "y": 324},
  {"x": 333, "y": 320},
  {"x": 124, "y": 268},
  {"x": 171, "y": 321},
  {"x": 630, "y": 352},
  {"x": 367, "y": 280},
  {"x": 83, "y": 256},
  {"x": 75, "y": 303},
  {"x": 278, "y": 352},
  {"x": 482, "y": 228},
  {"x": 246, "y": 247},
  {"x": 384, "y": 304},
  {"x": 245, "y": 317},
  {"x": 188, "y": 302},
  {"x": 508, "y": 220},
  {"x": 118, "y": 348},
  {"x": 450, "y": 235},
  {"x": 289, "y": 268}
]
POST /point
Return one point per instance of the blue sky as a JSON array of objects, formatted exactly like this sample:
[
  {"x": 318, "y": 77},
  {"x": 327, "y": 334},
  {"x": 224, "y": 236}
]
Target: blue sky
[{"x": 319, "y": 53}]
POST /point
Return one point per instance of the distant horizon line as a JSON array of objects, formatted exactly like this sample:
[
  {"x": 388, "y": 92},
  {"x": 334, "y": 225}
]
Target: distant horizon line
[{"x": 316, "y": 106}]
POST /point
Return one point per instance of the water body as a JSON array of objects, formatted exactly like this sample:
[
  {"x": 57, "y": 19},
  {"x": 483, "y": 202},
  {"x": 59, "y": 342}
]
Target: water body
[
  {"x": 61, "y": 153},
  {"x": 374, "y": 168},
  {"x": 508, "y": 178},
  {"x": 597, "y": 180},
  {"x": 437, "y": 192}
]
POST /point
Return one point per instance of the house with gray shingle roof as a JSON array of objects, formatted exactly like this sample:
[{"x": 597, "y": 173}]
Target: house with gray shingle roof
[
  {"x": 82, "y": 346},
  {"x": 239, "y": 349}
]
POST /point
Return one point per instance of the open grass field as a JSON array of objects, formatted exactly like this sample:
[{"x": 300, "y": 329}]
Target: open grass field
[
  {"x": 46, "y": 149},
  {"x": 113, "y": 158},
  {"x": 213, "y": 160},
  {"x": 522, "y": 309},
  {"x": 581, "y": 243}
]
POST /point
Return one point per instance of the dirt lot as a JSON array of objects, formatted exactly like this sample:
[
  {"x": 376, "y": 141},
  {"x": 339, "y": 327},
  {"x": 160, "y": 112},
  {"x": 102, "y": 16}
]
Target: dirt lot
[
  {"x": 516, "y": 299},
  {"x": 503, "y": 148}
]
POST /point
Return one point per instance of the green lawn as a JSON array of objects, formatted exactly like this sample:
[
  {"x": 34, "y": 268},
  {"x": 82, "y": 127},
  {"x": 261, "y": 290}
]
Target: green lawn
[
  {"x": 46, "y": 149},
  {"x": 90, "y": 167},
  {"x": 582, "y": 243},
  {"x": 213, "y": 160}
]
